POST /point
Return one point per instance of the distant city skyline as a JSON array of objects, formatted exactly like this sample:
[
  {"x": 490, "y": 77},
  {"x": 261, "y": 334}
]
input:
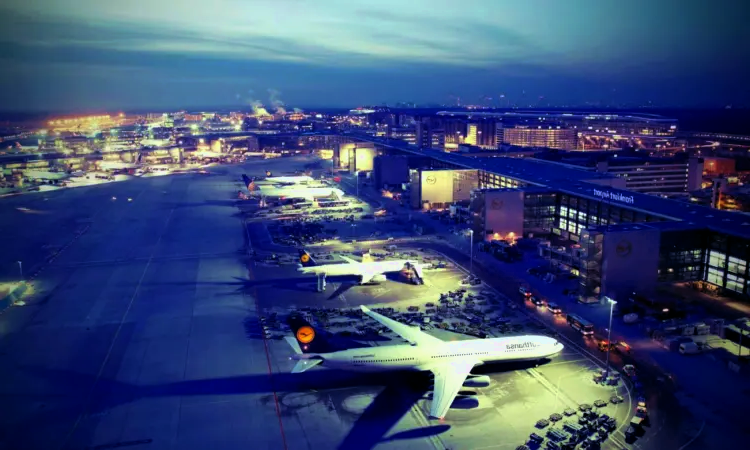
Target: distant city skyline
[{"x": 159, "y": 54}]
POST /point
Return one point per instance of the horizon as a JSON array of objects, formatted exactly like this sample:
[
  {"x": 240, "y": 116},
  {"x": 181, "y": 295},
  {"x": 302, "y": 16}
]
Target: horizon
[{"x": 153, "y": 54}]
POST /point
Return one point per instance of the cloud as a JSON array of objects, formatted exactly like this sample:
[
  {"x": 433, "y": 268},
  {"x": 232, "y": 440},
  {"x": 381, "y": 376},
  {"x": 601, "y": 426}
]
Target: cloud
[
  {"x": 342, "y": 52},
  {"x": 370, "y": 43}
]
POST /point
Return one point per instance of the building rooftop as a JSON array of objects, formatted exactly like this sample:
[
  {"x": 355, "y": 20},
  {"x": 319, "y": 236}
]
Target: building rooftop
[
  {"x": 626, "y": 117},
  {"x": 594, "y": 186}
]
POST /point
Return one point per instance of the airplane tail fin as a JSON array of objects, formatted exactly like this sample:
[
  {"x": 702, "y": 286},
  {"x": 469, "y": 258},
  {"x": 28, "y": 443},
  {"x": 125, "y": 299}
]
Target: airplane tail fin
[
  {"x": 305, "y": 259},
  {"x": 306, "y": 340}
]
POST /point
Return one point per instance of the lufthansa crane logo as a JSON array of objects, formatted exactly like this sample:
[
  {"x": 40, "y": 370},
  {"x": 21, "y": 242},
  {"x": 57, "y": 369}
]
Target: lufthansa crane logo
[
  {"x": 497, "y": 204},
  {"x": 305, "y": 334},
  {"x": 430, "y": 179},
  {"x": 624, "y": 248},
  {"x": 304, "y": 258}
]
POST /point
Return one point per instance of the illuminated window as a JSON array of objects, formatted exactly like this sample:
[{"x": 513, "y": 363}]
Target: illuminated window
[
  {"x": 735, "y": 283},
  {"x": 737, "y": 265},
  {"x": 717, "y": 259},
  {"x": 715, "y": 276}
]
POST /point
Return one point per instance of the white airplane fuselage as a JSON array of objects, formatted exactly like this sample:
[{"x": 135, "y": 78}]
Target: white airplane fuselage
[
  {"x": 378, "y": 267},
  {"x": 410, "y": 357}
]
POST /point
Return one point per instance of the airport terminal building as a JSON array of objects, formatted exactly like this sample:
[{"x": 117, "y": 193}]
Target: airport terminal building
[{"x": 619, "y": 241}]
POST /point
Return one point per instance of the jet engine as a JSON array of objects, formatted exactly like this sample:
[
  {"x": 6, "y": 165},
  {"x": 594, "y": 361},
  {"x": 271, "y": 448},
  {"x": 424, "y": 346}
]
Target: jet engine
[
  {"x": 379, "y": 278},
  {"x": 477, "y": 381}
]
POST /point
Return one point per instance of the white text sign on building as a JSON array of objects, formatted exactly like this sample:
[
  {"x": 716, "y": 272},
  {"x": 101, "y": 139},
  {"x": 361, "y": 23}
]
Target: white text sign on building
[{"x": 615, "y": 196}]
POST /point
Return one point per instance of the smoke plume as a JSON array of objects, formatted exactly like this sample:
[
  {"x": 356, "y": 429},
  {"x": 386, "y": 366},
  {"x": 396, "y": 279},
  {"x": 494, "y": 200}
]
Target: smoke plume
[
  {"x": 298, "y": 111},
  {"x": 256, "y": 105},
  {"x": 276, "y": 102}
]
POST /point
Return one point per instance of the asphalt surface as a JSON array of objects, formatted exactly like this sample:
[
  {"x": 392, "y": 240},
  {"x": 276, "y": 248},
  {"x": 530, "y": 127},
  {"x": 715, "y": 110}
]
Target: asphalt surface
[
  {"x": 518, "y": 396},
  {"x": 142, "y": 329},
  {"x": 672, "y": 426},
  {"x": 349, "y": 410},
  {"x": 131, "y": 337}
]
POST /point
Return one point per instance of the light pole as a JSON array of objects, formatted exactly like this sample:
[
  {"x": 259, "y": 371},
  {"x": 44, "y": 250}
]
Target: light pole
[
  {"x": 471, "y": 253},
  {"x": 356, "y": 180},
  {"x": 609, "y": 335},
  {"x": 20, "y": 268}
]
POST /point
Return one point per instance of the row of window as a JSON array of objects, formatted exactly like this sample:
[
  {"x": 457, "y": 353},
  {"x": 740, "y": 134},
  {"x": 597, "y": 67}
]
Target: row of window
[
  {"x": 460, "y": 354},
  {"x": 734, "y": 282},
  {"x": 733, "y": 264},
  {"x": 362, "y": 361}
]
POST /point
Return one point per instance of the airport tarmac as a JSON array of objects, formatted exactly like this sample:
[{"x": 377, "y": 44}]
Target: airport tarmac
[
  {"x": 131, "y": 338},
  {"x": 142, "y": 331},
  {"x": 518, "y": 396},
  {"x": 281, "y": 289}
]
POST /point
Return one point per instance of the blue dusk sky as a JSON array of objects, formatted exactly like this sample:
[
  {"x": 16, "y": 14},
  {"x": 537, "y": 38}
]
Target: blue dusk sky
[{"x": 160, "y": 54}]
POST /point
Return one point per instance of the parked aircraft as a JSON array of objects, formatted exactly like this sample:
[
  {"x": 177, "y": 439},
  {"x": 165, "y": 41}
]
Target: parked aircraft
[{"x": 450, "y": 362}]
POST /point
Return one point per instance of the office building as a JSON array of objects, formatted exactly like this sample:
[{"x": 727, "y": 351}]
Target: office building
[
  {"x": 539, "y": 136},
  {"x": 390, "y": 170},
  {"x": 424, "y": 133},
  {"x": 641, "y": 173},
  {"x": 715, "y": 166},
  {"x": 593, "y": 130},
  {"x": 617, "y": 240},
  {"x": 482, "y": 134},
  {"x": 455, "y": 132}
]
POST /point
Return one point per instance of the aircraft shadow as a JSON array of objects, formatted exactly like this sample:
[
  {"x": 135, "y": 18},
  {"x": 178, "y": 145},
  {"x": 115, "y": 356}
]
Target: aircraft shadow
[
  {"x": 419, "y": 433},
  {"x": 204, "y": 203},
  {"x": 386, "y": 410},
  {"x": 500, "y": 366},
  {"x": 302, "y": 284}
]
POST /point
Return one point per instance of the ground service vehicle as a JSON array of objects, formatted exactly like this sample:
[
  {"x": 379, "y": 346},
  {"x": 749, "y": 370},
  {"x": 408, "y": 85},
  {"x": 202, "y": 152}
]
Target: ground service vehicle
[{"x": 579, "y": 323}]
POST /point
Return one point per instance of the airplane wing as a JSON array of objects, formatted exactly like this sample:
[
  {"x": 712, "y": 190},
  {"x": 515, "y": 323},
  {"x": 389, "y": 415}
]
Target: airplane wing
[
  {"x": 414, "y": 335},
  {"x": 367, "y": 276},
  {"x": 449, "y": 378},
  {"x": 349, "y": 260}
]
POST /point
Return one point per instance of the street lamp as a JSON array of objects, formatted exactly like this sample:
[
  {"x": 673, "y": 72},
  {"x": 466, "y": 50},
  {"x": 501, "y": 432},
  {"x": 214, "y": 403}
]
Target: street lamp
[
  {"x": 471, "y": 253},
  {"x": 356, "y": 180},
  {"x": 612, "y": 304},
  {"x": 20, "y": 268}
]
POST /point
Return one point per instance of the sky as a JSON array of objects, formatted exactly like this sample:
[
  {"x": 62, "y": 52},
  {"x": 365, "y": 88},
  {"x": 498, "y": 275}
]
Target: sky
[{"x": 77, "y": 55}]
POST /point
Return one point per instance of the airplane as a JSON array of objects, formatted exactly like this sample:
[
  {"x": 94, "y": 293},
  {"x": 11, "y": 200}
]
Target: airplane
[
  {"x": 450, "y": 362},
  {"x": 368, "y": 270}
]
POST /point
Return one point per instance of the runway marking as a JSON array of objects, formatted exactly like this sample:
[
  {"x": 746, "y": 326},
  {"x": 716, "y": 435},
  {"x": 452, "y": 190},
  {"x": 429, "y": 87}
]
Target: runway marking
[
  {"x": 567, "y": 362},
  {"x": 87, "y": 402},
  {"x": 700, "y": 430},
  {"x": 494, "y": 446},
  {"x": 251, "y": 276}
]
